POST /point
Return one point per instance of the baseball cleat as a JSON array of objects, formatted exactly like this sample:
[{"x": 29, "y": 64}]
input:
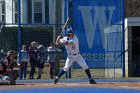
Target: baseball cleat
[
  {"x": 92, "y": 81},
  {"x": 56, "y": 80}
]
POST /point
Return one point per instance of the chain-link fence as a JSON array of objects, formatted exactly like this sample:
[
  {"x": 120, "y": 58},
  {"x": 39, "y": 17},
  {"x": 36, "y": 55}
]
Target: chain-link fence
[
  {"x": 24, "y": 21},
  {"x": 2, "y": 20}
]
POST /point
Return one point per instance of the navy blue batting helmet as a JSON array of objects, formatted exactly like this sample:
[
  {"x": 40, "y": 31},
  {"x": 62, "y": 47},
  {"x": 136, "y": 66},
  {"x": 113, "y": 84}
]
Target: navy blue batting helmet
[{"x": 70, "y": 31}]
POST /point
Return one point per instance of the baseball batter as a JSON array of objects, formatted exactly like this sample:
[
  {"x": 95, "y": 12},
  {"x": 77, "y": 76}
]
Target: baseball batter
[{"x": 72, "y": 46}]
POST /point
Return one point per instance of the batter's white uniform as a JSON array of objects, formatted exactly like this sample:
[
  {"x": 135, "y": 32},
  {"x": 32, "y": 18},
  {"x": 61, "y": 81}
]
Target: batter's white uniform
[{"x": 72, "y": 47}]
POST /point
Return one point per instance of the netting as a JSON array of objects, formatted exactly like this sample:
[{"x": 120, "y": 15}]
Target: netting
[{"x": 25, "y": 21}]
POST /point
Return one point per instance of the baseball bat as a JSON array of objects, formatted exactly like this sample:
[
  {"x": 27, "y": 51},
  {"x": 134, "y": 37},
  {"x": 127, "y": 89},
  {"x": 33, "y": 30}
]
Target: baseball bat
[{"x": 65, "y": 25}]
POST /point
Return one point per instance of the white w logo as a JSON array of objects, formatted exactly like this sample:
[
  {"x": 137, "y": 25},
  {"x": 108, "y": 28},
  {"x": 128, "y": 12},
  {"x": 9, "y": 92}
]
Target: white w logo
[{"x": 100, "y": 18}]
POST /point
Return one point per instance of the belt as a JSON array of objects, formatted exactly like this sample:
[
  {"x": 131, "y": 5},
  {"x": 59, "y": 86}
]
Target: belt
[{"x": 73, "y": 54}]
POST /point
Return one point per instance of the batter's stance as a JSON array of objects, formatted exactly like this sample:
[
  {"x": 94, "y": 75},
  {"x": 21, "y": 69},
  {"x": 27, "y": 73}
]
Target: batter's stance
[{"x": 72, "y": 46}]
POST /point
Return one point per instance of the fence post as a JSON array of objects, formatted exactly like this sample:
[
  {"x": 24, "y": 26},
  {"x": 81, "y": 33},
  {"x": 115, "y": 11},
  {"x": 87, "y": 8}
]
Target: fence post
[
  {"x": 19, "y": 31},
  {"x": 57, "y": 21}
]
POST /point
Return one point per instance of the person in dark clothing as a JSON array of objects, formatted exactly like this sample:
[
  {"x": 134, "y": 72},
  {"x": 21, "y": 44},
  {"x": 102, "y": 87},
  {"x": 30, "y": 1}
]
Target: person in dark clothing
[
  {"x": 33, "y": 58},
  {"x": 41, "y": 60}
]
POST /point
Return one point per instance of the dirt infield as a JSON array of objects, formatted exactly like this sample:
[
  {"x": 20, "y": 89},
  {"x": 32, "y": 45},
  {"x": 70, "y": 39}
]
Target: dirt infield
[{"x": 116, "y": 85}]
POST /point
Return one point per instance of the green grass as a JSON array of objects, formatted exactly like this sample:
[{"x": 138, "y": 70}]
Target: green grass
[
  {"x": 75, "y": 73},
  {"x": 79, "y": 74}
]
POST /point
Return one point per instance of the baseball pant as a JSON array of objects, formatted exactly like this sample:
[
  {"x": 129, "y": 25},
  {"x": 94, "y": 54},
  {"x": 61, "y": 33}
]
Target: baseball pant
[
  {"x": 51, "y": 68},
  {"x": 75, "y": 58},
  {"x": 33, "y": 66}
]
